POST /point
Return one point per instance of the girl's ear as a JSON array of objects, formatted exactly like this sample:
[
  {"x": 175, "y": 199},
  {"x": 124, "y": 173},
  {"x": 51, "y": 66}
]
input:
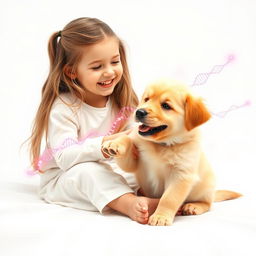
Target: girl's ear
[
  {"x": 196, "y": 112},
  {"x": 69, "y": 72}
]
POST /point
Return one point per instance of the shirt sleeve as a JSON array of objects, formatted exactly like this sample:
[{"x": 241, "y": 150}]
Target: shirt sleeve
[{"x": 62, "y": 139}]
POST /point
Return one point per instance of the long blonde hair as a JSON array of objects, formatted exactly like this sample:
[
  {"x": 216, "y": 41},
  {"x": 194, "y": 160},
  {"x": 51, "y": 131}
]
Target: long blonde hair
[{"x": 65, "y": 48}]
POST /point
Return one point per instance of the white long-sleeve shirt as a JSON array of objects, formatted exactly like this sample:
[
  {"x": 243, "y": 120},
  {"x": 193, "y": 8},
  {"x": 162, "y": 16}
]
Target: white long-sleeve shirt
[
  {"x": 75, "y": 175},
  {"x": 74, "y": 123}
]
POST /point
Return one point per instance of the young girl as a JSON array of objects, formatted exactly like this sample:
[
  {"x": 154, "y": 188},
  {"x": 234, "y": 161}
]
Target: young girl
[{"x": 88, "y": 83}]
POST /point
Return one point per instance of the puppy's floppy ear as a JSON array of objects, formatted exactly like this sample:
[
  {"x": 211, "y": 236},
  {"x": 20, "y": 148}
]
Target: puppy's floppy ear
[{"x": 196, "y": 112}]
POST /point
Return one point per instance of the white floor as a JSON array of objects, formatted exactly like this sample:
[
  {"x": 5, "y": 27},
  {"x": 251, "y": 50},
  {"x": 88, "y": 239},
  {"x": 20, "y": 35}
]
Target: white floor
[
  {"x": 28, "y": 226},
  {"x": 164, "y": 38}
]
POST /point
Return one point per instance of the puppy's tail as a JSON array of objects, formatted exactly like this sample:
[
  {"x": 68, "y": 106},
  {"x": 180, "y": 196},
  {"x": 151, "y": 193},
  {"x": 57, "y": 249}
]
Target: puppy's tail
[{"x": 222, "y": 195}]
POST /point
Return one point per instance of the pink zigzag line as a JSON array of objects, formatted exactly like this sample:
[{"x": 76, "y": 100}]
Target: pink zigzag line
[
  {"x": 202, "y": 78},
  {"x": 222, "y": 114},
  {"x": 48, "y": 154}
]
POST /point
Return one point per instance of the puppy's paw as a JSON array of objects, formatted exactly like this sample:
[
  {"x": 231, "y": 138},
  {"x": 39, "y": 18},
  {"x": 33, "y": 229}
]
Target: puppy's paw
[
  {"x": 113, "y": 148},
  {"x": 193, "y": 208},
  {"x": 158, "y": 219}
]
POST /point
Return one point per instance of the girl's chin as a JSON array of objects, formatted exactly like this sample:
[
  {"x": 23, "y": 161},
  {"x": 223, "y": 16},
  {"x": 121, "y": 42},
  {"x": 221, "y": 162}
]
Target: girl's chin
[{"x": 106, "y": 92}]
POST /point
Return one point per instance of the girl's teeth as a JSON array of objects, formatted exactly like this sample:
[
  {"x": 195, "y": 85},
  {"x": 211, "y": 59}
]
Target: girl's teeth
[{"x": 105, "y": 83}]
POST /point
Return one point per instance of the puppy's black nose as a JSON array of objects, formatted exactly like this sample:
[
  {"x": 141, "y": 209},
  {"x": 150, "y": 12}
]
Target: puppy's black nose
[{"x": 140, "y": 114}]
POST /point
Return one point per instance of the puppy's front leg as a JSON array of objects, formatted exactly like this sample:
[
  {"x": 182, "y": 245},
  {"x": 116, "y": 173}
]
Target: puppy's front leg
[
  {"x": 123, "y": 149},
  {"x": 171, "y": 200}
]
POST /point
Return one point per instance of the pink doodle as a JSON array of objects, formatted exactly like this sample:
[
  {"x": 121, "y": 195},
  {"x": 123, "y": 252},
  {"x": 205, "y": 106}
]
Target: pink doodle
[
  {"x": 203, "y": 77},
  {"x": 48, "y": 154},
  {"x": 222, "y": 114}
]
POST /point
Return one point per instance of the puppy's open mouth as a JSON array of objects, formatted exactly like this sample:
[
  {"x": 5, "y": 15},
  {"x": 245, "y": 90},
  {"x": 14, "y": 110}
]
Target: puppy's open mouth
[{"x": 145, "y": 130}]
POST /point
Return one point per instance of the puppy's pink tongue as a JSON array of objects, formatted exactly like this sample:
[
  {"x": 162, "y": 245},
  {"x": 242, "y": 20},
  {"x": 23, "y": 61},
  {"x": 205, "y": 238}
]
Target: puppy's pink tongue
[{"x": 144, "y": 128}]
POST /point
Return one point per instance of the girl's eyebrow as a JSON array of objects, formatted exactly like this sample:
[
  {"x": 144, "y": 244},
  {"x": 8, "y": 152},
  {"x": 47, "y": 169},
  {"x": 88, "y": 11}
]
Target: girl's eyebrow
[{"x": 95, "y": 61}]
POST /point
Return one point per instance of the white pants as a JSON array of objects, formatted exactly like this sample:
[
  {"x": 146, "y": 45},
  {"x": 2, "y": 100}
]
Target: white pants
[{"x": 88, "y": 186}]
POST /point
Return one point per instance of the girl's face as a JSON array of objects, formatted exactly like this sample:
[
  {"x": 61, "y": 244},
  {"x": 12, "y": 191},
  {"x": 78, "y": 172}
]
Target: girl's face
[{"x": 99, "y": 71}]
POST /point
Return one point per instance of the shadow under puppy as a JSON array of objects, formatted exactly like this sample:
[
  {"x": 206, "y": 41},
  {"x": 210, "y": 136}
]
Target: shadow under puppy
[{"x": 170, "y": 165}]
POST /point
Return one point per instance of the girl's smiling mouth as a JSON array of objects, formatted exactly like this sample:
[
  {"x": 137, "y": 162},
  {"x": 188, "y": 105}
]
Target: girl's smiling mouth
[{"x": 106, "y": 84}]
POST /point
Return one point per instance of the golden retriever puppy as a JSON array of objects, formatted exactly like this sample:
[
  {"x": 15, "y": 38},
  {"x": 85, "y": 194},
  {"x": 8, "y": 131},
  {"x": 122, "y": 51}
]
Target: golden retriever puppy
[{"x": 170, "y": 163}]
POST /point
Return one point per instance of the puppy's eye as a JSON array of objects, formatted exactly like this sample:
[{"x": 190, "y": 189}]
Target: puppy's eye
[
  {"x": 146, "y": 99},
  {"x": 166, "y": 106}
]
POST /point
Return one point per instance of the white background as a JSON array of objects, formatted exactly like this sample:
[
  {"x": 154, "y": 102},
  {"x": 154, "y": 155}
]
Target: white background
[{"x": 173, "y": 39}]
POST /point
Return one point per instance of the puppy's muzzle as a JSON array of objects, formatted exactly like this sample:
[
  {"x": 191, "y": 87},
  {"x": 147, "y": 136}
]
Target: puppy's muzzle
[{"x": 141, "y": 114}]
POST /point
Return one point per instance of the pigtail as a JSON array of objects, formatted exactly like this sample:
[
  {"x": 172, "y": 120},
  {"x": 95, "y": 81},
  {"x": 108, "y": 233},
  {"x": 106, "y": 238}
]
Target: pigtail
[
  {"x": 57, "y": 61},
  {"x": 50, "y": 92},
  {"x": 53, "y": 47}
]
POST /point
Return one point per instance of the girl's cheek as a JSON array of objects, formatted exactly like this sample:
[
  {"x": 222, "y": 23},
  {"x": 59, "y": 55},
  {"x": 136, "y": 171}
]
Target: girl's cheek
[
  {"x": 121, "y": 70},
  {"x": 94, "y": 74}
]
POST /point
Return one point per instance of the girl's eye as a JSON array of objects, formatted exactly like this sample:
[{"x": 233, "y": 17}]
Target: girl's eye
[
  {"x": 95, "y": 68},
  {"x": 98, "y": 67},
  {"x": 166, "y": 106}
]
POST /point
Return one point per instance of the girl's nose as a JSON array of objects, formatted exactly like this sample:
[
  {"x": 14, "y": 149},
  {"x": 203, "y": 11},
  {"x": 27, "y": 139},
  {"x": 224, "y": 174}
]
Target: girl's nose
[{"x": 108, "y": 71}]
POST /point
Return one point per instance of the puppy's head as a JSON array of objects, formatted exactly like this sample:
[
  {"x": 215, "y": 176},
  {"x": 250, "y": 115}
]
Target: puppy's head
[{"x": 168, "y": 110}]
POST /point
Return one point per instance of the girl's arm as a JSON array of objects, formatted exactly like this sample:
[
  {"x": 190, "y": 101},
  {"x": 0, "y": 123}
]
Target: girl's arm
[{"x": 63, "y": 139}]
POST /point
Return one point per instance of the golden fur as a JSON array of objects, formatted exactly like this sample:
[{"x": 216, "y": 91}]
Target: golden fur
[{"x": 170, "y": 164}]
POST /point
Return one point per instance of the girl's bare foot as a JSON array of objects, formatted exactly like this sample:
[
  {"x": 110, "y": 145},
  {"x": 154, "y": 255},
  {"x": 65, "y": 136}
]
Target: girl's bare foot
[
  {"x": 142, "y": 208},
  {"x": 138, "y": 208}
]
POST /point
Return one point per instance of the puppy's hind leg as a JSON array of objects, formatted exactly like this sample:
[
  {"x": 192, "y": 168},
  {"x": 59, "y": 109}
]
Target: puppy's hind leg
[
  {"x": 194, "y": 208},
  {"x": 200, "y": 199}
]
